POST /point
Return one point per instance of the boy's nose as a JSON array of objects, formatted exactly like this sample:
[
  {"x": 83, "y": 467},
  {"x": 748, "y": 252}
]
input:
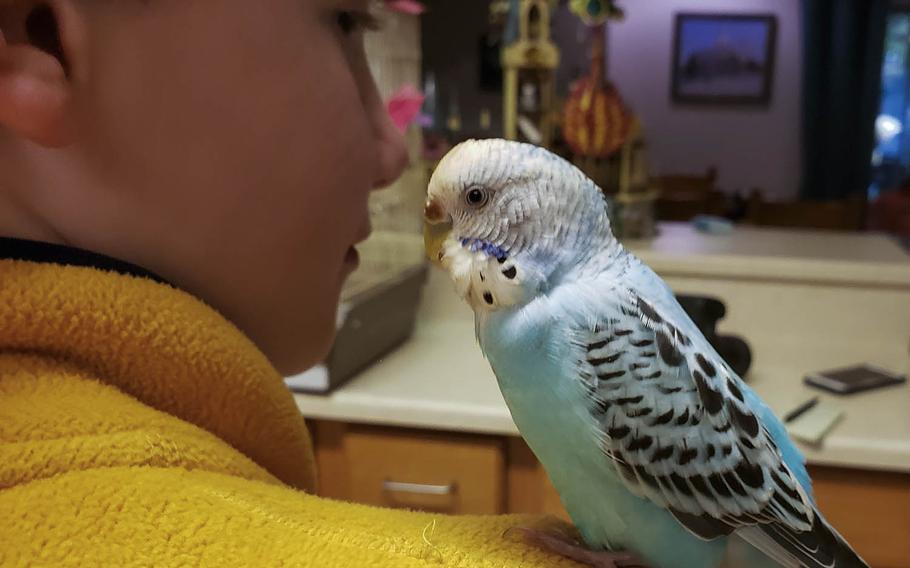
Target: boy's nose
[{"x": 393, "y": 152}]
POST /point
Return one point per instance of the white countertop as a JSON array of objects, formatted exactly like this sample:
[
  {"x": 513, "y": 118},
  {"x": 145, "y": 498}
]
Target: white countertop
[
  {"x": 439, "y": 379},
  {"x": 780, "y": 254}
]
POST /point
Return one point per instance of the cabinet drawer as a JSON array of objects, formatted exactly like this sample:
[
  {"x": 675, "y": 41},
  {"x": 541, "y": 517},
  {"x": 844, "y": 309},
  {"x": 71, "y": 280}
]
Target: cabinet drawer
[{"x": 390, "y": 467}]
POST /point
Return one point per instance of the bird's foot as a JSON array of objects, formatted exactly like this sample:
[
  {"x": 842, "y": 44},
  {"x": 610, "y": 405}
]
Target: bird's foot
[{"x": 563, "y": 544}]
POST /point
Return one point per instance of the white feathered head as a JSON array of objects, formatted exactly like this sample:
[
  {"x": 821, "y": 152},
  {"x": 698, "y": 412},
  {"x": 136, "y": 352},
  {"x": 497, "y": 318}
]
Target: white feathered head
[{"x": 509, "y": 220}]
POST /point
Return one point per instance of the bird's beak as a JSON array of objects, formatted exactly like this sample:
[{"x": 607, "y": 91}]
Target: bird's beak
[{"x": 436, "y": 228}]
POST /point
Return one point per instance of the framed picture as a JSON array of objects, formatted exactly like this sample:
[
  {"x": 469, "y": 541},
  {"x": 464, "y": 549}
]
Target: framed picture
[{"x": 724, "y": 59}]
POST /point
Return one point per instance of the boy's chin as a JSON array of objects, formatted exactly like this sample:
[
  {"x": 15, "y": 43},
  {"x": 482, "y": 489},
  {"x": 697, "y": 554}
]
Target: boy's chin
[
  {"x": 297, "y": 358},
  {"x": 303, "y": 344}
]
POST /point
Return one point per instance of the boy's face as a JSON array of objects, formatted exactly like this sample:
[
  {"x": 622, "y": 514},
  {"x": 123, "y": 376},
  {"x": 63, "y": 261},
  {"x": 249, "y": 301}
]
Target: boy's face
[{"x": 229, "y": 146}]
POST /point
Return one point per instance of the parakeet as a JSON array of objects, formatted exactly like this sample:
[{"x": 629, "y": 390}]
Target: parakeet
[{"x": 655, "y": 445}]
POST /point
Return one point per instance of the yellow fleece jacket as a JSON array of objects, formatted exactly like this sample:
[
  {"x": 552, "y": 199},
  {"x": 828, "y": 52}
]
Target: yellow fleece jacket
[{"x": 138, "y": 427}]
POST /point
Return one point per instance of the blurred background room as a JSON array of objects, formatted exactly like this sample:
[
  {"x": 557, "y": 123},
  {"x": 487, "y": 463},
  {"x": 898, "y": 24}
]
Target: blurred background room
[{"x": 755, "y": 153}]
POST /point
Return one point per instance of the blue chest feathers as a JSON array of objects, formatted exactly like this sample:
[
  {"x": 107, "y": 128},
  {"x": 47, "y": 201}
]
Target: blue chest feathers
[{"x": 535, "y": 367}]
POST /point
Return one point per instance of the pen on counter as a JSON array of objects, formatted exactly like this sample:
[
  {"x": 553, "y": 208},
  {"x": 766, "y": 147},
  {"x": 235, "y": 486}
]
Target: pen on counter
[{"x": 801, "y": 409}]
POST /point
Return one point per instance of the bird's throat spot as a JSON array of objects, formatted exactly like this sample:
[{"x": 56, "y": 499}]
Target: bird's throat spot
[{"x": 475, "y": 245}]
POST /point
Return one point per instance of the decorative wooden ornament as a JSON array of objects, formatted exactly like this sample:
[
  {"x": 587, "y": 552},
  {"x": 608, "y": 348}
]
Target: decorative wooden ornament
[
  {"x": 595, "y": 120},
  {"x": 596, "y": 12},
  {"x": 529, "y": 66}
]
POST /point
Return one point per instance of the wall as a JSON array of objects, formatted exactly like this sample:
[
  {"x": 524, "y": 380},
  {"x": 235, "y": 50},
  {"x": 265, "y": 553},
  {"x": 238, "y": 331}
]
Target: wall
[{"x": 751, "y": 147}]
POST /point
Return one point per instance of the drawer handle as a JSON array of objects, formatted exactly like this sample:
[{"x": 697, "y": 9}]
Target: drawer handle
[{"x": 417, "y": 488}]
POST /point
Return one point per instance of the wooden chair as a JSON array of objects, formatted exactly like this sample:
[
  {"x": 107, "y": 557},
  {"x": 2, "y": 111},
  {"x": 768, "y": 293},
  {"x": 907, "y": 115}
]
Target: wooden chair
[
  {"x": 685, "y": 196},
  {"x": 840, "y": 215}
]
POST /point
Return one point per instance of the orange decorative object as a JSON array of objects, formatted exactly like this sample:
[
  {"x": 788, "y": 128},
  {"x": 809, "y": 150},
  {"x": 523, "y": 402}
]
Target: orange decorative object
[{"x": 596, "y": 122}]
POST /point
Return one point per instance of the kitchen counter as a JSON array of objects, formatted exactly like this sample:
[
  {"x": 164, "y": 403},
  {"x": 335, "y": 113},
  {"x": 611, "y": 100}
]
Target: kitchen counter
[
  {"x": 777, "y": 254},
  {"x": 805, "y": 301}
]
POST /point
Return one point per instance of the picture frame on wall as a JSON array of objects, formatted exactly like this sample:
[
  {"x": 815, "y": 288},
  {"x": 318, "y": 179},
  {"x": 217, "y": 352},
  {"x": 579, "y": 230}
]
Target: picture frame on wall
[{"x": 724, "y": 59}]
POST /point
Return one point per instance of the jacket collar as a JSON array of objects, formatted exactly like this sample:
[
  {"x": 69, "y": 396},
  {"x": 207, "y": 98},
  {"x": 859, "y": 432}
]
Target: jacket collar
[{"x": 156, "y": 343}]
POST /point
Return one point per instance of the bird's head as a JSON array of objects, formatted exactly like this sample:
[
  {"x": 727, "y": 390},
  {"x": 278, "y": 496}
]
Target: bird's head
[{"x": 509, "y": 221}]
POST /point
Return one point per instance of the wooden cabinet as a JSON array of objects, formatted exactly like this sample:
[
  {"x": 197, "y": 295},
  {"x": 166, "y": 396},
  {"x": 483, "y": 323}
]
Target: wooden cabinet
[
  {"x": 871, "y": 509},
  {"x": 392, "y": 467},
  {"x": 463, "y": 473},
  {"x": 529, "y": 489}
]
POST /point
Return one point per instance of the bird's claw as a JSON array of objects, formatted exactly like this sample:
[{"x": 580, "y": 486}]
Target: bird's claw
[{"x": 564, "y": 545}]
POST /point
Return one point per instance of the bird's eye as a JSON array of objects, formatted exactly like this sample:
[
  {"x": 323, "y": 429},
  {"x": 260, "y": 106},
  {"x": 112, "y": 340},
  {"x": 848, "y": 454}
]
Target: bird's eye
[{"x": 476, "y": 196}]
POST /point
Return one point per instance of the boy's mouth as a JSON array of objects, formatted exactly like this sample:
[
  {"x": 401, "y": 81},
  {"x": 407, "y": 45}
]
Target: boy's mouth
[
  {"x": 365, "y": 232},
  {"x": 352, "y": 258}
]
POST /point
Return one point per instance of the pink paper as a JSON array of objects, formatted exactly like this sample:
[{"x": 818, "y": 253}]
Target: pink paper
[
  {"x": 410, "y": 7},
  {"x": 404, "y": 106}
]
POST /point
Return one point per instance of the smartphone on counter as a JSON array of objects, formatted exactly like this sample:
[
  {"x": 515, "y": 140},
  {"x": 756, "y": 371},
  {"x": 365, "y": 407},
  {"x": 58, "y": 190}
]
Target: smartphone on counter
[{"x": 858, "y": 378}]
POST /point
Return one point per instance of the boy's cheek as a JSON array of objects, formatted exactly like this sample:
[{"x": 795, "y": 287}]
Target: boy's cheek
[{"x": 278, "y": 156}]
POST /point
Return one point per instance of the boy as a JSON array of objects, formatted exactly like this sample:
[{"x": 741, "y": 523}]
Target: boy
[{"x": 215, "y": 157}]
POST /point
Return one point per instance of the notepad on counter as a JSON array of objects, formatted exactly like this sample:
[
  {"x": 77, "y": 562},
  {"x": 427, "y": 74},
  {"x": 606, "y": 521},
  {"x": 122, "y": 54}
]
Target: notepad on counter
[{"x": 812, "y": 426}]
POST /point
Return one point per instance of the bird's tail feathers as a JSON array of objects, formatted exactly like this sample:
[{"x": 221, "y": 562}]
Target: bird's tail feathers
[
  {"x": 843, "y": 553},
  {"x": 822, "y": 547}
]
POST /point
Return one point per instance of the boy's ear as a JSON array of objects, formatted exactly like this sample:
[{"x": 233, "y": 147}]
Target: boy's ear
[{"x": 36, "y": 60}]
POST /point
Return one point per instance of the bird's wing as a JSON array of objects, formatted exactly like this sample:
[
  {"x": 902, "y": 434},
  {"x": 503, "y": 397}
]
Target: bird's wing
[{"x": 673, "y": 420}]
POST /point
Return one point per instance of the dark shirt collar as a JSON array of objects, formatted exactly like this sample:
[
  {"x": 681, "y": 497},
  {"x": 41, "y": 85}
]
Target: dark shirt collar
[{"x": 34, "y": 251}]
